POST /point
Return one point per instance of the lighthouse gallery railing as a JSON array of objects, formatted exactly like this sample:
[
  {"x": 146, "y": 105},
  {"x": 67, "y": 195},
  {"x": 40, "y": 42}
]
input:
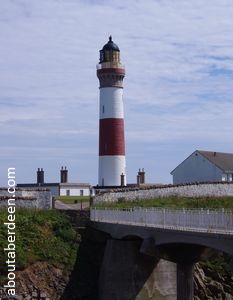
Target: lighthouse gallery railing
[{"x": 209, "y": 221}]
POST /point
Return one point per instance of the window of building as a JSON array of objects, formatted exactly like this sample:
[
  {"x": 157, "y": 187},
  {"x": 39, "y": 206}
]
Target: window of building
[
  {"x": 81, "y": 193},
  {"x": 67, "y": 192},
  {"x": 229, "y": 177},
  {"x": 224, "y": 177}
]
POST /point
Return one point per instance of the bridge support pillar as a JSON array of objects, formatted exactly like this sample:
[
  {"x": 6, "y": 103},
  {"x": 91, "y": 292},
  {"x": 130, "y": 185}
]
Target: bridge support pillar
[
  {"x": 185, "y": 281},
  {"x": 129, "y": 274}
]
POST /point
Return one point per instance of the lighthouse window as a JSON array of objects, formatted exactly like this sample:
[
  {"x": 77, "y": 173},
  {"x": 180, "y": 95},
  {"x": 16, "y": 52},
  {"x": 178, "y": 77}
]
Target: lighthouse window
[
  {"x": 101, "y": 56},
  {"x": 103, "y": 109}
]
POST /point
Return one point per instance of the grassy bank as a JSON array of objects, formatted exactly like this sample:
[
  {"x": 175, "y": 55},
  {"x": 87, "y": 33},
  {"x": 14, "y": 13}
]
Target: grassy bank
[
  {"x": 174, "y": 202},
  {"x": 41, "y": 235},
  {"x": 73, "y": 199}
]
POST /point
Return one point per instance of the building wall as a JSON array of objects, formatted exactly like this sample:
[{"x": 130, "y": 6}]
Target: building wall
[
  {"x": 28, "y": 198},
  {"x": 196, "y": 168},
  {"x": 189, "y": 190},
  {"x": 74, "y": 191},
  {"x": 53, "y": 187},
  {"x": 54, "y": 190}
]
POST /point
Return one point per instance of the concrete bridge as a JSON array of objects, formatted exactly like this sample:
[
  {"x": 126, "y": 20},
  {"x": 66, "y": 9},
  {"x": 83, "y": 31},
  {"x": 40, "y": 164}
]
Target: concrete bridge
[{"x": 181, "y": 236}]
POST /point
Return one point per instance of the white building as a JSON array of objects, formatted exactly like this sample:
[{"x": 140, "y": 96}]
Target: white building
[
  {"x": 74, "y": 189},
  {"x": 203, "y": 166},
  {"x": 62, "y": 188}
]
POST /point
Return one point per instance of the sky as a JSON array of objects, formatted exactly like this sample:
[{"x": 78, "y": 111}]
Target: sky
[{"x": 178, "y": 89}]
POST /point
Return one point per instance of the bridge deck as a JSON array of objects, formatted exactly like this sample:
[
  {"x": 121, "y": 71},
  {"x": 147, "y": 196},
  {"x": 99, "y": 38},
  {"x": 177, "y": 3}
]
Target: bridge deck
[{"x": 206, "y": 221}]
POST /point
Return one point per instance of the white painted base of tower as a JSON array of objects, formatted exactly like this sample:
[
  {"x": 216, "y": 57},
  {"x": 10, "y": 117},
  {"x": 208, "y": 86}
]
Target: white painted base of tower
[{"x": 110, "y": 170}]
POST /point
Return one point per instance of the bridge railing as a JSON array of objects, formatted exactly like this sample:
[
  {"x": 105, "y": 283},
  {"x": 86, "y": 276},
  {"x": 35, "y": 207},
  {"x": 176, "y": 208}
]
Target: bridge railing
[{"x": 216, "y": 221}]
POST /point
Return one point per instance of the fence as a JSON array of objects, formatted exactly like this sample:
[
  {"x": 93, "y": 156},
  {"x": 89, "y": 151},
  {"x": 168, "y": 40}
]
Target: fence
[{"x": 211, "y": 221}]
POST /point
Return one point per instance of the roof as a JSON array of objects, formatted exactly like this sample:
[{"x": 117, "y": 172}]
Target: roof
[
  {"x": 110, "y": 45},
  {"x": 53, "y": 184},
  {"x": 37, "y": 184},
  {"x": 64, "y": 184},
  {"x": 224, "y": 161}
]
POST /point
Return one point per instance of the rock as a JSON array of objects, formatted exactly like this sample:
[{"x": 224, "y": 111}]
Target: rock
[
  {"x": 212, "y": 285},
  {"x": 199, "y": 282},
  {"x": 228, "y": 296},
  {"x": 228, "y": 289},
  {"x": 215, "y": 288},
  {"x": 18, "y": 297},
  {"x": 40, "y": 281},
  {"x": 34, "y": 294},
  {"x": 43, "y": 295},
  {"x": 43, "y": 281}
]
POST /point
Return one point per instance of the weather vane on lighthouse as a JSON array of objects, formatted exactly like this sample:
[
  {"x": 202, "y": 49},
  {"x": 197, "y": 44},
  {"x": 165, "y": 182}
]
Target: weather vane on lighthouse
[{"x": 110, "y": 71}]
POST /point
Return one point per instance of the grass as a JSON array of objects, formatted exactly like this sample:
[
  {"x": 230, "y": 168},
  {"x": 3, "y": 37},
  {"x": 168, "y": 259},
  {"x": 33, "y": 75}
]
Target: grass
[
  {"x": 41, "y": 235},
  {"x": 73, "y": 199},
  {"x": 173, "y": 202}
]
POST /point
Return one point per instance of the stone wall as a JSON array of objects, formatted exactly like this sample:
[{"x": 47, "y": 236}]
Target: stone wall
[
  {"x": 149, "y": 192},
  {"x": 29, "y": 198}
]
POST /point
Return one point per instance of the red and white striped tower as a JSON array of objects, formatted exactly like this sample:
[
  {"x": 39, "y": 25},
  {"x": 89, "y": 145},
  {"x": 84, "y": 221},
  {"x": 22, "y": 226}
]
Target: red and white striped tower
[{"x": 111, "y": 73}]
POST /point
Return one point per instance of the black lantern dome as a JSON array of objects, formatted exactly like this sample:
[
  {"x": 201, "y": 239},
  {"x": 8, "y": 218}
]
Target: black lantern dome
[
  {"x": 110, "y": 45},
  {"x": 110, "y": 52}
]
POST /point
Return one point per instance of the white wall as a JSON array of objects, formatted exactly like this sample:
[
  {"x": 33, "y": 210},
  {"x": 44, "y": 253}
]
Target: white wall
[
  {"x": 111, "y": 103},
  {"x": 110, "y": 169},
  {"x": 74, "y": 191},
  {"x": 196, "y": 168},
  {"x": 189, "y": 190}
]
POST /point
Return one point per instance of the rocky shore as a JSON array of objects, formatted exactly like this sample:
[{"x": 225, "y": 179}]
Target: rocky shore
[{"x": 42, "y": 281}]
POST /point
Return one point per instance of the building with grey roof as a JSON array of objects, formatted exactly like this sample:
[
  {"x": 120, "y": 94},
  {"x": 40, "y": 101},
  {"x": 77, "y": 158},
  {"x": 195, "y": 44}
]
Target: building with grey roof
[{"x": 203, "y": 166}]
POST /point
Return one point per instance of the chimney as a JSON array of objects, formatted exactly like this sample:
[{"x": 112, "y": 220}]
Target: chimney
[
  {"x": 64, "y": 175},
  {"x": 141, "y": 177},
  {"x": 122, "y": 179},
  {"x": 138, "y": 179},
  {"x": 40, "y": 176}
]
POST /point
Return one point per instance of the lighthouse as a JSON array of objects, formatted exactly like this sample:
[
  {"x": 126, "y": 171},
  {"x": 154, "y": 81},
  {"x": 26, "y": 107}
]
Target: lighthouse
[{"x": 110, "y": 71}]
